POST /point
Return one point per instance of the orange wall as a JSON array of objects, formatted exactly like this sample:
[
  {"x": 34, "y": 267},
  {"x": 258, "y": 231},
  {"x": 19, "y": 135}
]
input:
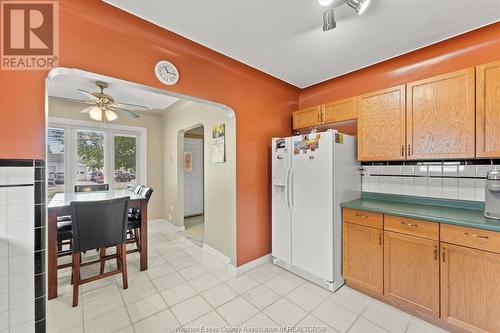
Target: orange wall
[
  {"x": 100, "y": 38},
  {"x": 473, "y": 48}
]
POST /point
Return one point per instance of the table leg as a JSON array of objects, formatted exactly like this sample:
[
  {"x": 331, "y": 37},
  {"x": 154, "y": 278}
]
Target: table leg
[
  {"x": 144, "y": 235},
  {"x": 52, "y": 253}
]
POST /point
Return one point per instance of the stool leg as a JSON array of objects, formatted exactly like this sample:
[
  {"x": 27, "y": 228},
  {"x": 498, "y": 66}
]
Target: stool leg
[
  {"x": 76, "y": 277},
  {"x": 123, "y": 258},
  {"x": 102, "y": 254}
]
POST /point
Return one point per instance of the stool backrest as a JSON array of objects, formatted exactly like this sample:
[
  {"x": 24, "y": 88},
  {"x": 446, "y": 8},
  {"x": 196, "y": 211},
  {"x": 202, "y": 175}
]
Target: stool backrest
[
  {"x": 137, "y": 188},
  {"x": 146, "y": 192},
  {"x": 91, "y": 188},
  {"x": 99, "y": 223}
]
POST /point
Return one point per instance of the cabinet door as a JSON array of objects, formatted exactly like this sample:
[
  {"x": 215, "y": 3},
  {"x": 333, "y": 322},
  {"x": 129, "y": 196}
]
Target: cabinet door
[
  {"x": 470, "y": 296},
  {"x": 441, "y": 116},
  {"x": 381, "y": 125},
  {"x": 488, "y": 110},
  {"x": 411, "y": 272},
  {"x": 307, "y": 117},
  {"x": 363, "y": 257},
  {"x": 342, "y": 110}
]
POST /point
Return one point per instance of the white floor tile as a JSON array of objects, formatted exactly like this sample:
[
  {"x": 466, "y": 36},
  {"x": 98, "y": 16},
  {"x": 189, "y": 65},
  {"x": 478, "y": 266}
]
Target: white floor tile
[
  {"x": 237, "y": 311},
  {"x": 282, "y": 285},
  {"x": 351, "y": 299},
  {"x": 219, "y": 295},
  {"x": 362, "y": 326},
  {"x": 192, "y": 272},
  {"x": 311, "y": 321},
  {"x": 162, "y": 322},
  {"x": 305, "y": 298},
  {"x": 242, "y": 283},
  {"x": 386, "y": 316},
  {"x": 110, "y": 322},
  {"x": 335, "y": 316},
  {"x": 159, "y": 271},
  {"x": 178, "y": 293},
  {"x": 204, "y": 282},
  {"x": 260, "y": 320},
  {"x": 138, "y": 292},
  {"x": 190, "y": 309},
  {"x": 285, "y": 312},
  {"x": 145, "y": 307},
  {"x": 210, "y": 320},
  {"x": 168, "y": 281},
  {"x": 418, "y": 326},
  {"x": 262, "y": 273},
  {"x": 261, "y": 296},
  {"x": 101, "y": 305}
]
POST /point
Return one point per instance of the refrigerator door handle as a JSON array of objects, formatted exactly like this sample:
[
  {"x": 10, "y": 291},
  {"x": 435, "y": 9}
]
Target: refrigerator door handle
[
  {"x": 292, "y": 201},
  {"x": 287, "y": 189}
]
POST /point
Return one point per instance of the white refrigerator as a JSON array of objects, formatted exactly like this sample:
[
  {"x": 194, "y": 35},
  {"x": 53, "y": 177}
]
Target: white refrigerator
[{"x": 311, "y": 175}]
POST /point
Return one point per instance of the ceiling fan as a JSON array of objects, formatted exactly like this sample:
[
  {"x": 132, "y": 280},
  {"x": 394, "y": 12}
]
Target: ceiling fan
[{"x": 103, "y": 107}]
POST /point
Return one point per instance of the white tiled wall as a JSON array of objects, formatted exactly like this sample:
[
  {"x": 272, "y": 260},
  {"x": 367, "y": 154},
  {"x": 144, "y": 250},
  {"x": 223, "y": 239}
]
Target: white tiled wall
[
  {"x": 16, "y": 250},
  {"x": 448, "y": 181}
]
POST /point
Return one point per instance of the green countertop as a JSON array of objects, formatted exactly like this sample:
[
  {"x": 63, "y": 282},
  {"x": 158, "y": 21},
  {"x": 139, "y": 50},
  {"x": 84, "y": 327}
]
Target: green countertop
[{"x": 457, "y": 212}]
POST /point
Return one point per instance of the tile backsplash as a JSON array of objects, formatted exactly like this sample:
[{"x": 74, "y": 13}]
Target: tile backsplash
[{"x": 447, "y": 180}]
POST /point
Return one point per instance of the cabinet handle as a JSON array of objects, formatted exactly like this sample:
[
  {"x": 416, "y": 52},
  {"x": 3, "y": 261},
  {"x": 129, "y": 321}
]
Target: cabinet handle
[
  {"x": 476, "y": 235},
  {"x": 362, "y": 216},
  {"x": 435, "y": 252},
  {"x": 409, "y": 224},
  {"x": 443, "y": 254},
  {"x": 319, "y": 118},
  {"x": 380, "y": 239},
  {"x": 409, "y": 150},
  {"x": 403, "y": 150}
]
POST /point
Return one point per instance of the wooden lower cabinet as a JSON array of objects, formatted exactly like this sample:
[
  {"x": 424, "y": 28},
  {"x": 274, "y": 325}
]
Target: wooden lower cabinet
[
  {"x": 411, "y": 272},
  {"x": 363, "y": 260},
  {"x": 470, "y": 288}
]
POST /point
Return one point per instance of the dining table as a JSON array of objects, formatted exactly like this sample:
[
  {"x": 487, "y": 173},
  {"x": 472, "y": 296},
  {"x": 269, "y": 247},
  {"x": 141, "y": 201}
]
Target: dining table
[{"x": 59, "y": 205}]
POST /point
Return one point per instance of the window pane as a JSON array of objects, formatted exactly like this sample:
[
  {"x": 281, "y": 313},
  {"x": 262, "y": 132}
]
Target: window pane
[
  {"x": 125, "y": 160},
  {"x": 55, "y": 161},
  {"x": 90, "y": 163}
]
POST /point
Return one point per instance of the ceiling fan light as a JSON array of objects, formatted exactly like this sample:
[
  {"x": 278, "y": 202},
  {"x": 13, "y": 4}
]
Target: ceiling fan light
[
  {"x": 96, "y": 113},
  {"x": 359, "y": 5},
  {"x": 329, "y": 20},
  {"x": 110, "y": 115}
]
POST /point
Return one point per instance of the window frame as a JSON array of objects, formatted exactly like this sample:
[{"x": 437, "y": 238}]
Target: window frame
[{"x": 72, "y": 126}]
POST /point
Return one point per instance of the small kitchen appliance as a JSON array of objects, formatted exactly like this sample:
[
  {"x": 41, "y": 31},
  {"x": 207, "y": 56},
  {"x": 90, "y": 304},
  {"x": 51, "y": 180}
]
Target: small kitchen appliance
[{"x": 492, "y": 202}]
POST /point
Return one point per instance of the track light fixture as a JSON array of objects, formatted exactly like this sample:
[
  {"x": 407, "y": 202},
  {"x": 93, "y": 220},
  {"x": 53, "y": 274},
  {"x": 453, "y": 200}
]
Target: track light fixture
[
  {"x": 329, "y": 20},
  {"x": 329, "y": 16},
  {"x": 359, "y": 5}
]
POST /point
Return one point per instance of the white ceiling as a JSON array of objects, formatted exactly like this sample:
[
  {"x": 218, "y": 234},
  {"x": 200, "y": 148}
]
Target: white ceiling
[
  {"x": 66, "y": 86},
  {"x": 284, "y": 38}
]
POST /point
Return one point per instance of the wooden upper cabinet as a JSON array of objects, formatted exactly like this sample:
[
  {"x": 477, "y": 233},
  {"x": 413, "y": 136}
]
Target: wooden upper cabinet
[
  {"x": 381, "y": 125},
  {"x": 363, "y": 260},
  {"x": 488, "y": 110},
  {"x": 346, "y": 109},
  {"x": 411, "y": 272},
  {"x": 307, "y": 117},
  {"x": 470, "y": 297},
  {"x": 441, "y": 116}
]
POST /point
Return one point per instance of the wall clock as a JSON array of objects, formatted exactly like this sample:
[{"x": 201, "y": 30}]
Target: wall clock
[{"x": 166, "y": 72}]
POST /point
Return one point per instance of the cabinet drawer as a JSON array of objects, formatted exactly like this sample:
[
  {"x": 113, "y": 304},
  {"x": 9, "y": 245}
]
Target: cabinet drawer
[
  {"x": 360, "y": 217},
  {"x": 471, "y": 237},
  {"x": 418, "y": 228}
]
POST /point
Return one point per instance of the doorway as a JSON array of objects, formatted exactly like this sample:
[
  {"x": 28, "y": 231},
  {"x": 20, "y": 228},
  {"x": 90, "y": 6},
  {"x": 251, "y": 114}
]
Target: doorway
[{"x": 194, "y": 171}]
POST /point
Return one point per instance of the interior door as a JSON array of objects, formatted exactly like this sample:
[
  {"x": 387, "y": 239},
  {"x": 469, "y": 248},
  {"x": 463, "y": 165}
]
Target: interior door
[
  {"x": 312, "y": 204},
  {"x": 281, "y": 218},
  {"x": 193, "y": 176}
]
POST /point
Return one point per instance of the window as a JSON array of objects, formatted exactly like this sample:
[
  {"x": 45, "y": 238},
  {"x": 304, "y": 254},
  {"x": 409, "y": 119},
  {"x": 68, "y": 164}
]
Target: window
[
  {"x": 80, "y": 153},
  {"x": 55, "y": 161},
  {"x": 125, "y": 147},
  {"x": 90, "y": 157}
]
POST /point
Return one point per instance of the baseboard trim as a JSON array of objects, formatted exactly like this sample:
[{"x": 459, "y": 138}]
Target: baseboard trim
[
  {"x": 252, "y": 264},
  {"x": 216, "y": 253},
  {"x": 169, "y": 224}
]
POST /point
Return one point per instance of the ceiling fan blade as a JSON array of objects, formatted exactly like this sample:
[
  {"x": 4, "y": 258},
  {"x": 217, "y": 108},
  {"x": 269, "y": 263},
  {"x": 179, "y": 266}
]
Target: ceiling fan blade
[
  {"x": 87, "y": 109},
  {"x": 74, "y": 100},
  {"x": 128, "y": 106},
  {"x": 89, "y": 95},
  {"x": 126, "y": 112}
]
